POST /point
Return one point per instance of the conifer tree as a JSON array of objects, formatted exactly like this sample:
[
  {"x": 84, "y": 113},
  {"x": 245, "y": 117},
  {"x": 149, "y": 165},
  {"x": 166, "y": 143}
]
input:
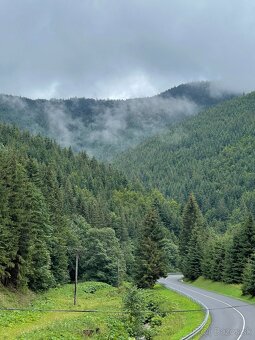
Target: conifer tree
[
  {"x": 248, "y": 286},
  {"x": 239, "y": 251},
  {"x": 150, "y": 258},
  {"x": 39, "y": 276},
  {"x": 191, "y": 266},
  {"x": 191, "y": 239},
  {"x": 5, "y": 231},
  {"x": 17, "y": 185},
  {"x": 191, "y": 218}
]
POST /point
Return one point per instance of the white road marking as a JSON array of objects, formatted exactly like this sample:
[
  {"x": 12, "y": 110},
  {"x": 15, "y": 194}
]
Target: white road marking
[{"x": 225, "y": 303}]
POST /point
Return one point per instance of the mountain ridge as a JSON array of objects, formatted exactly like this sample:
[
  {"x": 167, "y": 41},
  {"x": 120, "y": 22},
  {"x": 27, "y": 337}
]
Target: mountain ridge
[
  {"x": 105, "y": 127},
  {"x": 210, "y": 154}
]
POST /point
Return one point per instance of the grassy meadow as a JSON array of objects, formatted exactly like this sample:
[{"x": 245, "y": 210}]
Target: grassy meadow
[{"x": 28, "y": 325}]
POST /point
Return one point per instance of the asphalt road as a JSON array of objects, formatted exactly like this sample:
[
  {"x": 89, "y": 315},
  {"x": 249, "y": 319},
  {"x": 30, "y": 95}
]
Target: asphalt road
[{"x": 231, "y": 319}]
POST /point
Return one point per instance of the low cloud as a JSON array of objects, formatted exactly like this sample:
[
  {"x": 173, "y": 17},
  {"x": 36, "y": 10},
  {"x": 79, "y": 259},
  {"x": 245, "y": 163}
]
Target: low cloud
[
  {"x": 124, "y": 124},
  {"x": 123, "y": 49}
]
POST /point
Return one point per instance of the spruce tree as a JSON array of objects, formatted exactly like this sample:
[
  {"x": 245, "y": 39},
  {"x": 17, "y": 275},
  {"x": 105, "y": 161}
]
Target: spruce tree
[
  {"x": 191, "y": 239},
  {"x": 17, "y": 185},
  {"x": 39, "y": 276},
  {"x": 5, "y": 233},
  {"x": 248, "y": 286},
  {"x": 191, "y": 218},
  {"x": 191, "y": 266},
  {"x": 150, "y": 258},
  {"x": 239, "y": 251}
]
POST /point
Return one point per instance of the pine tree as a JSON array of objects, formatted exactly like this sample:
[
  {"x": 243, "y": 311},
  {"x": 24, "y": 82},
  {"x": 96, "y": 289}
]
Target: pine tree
[
  {"x": 150, "y": 258},
  {"x": 16, "y": 182},
  {"x": 191, "y": 218},
  {"x": 248, "y": 286},
  {"x": 5, "y": 232},
  {"x": 213, "y": 257},
  {"x": 40, "y": 276},
  {"x": 191, "y": 239},
  {"x": 191, "y": 266},
  {"x": 239, "y": 251}
]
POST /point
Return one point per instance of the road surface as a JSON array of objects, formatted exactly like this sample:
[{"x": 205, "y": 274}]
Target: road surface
[{"x": 231, "y": 319}]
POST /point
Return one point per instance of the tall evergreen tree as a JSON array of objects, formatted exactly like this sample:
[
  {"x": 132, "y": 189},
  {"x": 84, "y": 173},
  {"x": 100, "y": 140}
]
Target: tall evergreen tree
[
  {"x": 239, "y": 251},
  {"x": 191, "y": 218},
  {"x": 39, "y": 276},
  {"x": 248, "y": 286},
  {"x": 150, "y": 258},
  {"x": 191, "y": 238},
  {"x": 191, "y": 266}
]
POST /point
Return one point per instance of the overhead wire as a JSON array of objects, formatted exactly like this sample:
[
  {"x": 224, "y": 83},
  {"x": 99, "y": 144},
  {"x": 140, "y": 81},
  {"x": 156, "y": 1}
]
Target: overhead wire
[{"x": 120, "y": 311}]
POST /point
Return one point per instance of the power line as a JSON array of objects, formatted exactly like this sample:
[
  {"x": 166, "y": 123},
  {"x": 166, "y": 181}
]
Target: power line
[
  {"x": 60, "y": 310},
  {"x": 118, "y": 311}
]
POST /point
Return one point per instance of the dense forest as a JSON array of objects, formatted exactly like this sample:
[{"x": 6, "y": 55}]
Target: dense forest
[
  {"x": 106, "y": 127},
  {"x": 211, "y": 154},
  {"x": 229, "y": 258},
  {"x": 186, "y": 201},
  {"x": 55, "y": 204}
]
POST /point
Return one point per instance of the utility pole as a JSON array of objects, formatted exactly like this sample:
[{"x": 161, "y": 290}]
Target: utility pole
[
  {"x": 118, "y": 272},
  {"x": 76, "y": 277}
]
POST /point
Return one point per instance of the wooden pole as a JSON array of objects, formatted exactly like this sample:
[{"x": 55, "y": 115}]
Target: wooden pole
[
  {"x": 118, "y": 271},
  {"x": 76, "y": 278}
]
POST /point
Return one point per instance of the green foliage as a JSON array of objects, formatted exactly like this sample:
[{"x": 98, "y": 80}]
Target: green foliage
[
  {"x": 48, "y": 325},
  {"x": 102, "y": 259},
  {"x": 232, "y": 290},
  {"x": 134, "y": 307},
  {"x": 238, "y": 251},
  {"x": 213, "y": 259},
  {"x": 191, "y": 240},
  {"x": 151, "y": 259},
  {"x": 211, "y": 155},
  {"x": 248, "y": 287},
  {"x": 54, "y": 203}
]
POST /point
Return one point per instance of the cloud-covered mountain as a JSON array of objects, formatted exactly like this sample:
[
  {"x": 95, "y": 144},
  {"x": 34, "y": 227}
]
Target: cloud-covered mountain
[{"x": 106, "y": 127}]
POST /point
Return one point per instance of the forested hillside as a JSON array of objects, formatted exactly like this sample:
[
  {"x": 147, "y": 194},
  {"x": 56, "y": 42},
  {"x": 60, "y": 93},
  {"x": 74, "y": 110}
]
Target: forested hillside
[
  {"x": 55, "y": 204},
  {"x": 211, "y": 154},
  {"x": 106, "y": 127}
]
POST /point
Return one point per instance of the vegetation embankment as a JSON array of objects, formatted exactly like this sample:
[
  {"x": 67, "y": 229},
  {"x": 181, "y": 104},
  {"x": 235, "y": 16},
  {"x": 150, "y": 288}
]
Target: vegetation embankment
[
  {"x": 109, "y": 323},
  {"x": 232, "y": 290}
]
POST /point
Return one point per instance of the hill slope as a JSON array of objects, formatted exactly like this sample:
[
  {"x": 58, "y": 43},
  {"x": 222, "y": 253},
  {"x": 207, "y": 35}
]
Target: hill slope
[
  {"x": 54, "y": 203},
  {"x": 211, "y": 154},
  {"x": 105, "y": 127}
]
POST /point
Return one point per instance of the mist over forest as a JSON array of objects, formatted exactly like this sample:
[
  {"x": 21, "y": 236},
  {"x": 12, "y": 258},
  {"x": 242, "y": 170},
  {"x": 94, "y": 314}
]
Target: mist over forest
[{"x": 106, "y": 127}]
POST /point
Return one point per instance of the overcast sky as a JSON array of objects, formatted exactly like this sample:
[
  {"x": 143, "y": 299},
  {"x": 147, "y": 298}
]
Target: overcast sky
[{"x": 124, "y": 48}]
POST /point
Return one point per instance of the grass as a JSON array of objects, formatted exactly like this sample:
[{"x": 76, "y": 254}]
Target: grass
[
  {"x": 203, "y": 331},
  {"x": 231, "y": 290},
  {"x": 177, "y": 325},
  {"x": 27, "y": 325}
]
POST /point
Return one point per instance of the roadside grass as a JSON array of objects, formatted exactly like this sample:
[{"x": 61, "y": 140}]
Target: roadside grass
[
  {"x": 204, "y": 330},
  {"x": 177, "y": 325},
  {"x": 27, "y": 325},
  {"x": 231, "y": 290}
]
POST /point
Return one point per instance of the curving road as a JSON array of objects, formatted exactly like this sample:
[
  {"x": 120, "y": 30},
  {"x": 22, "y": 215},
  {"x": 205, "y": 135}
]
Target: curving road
[{"x": 231, "y": 319}]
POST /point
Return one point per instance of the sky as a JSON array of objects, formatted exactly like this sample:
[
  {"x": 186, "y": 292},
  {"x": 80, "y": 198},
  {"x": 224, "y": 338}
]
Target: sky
[{"x": 124, "y": 48}]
